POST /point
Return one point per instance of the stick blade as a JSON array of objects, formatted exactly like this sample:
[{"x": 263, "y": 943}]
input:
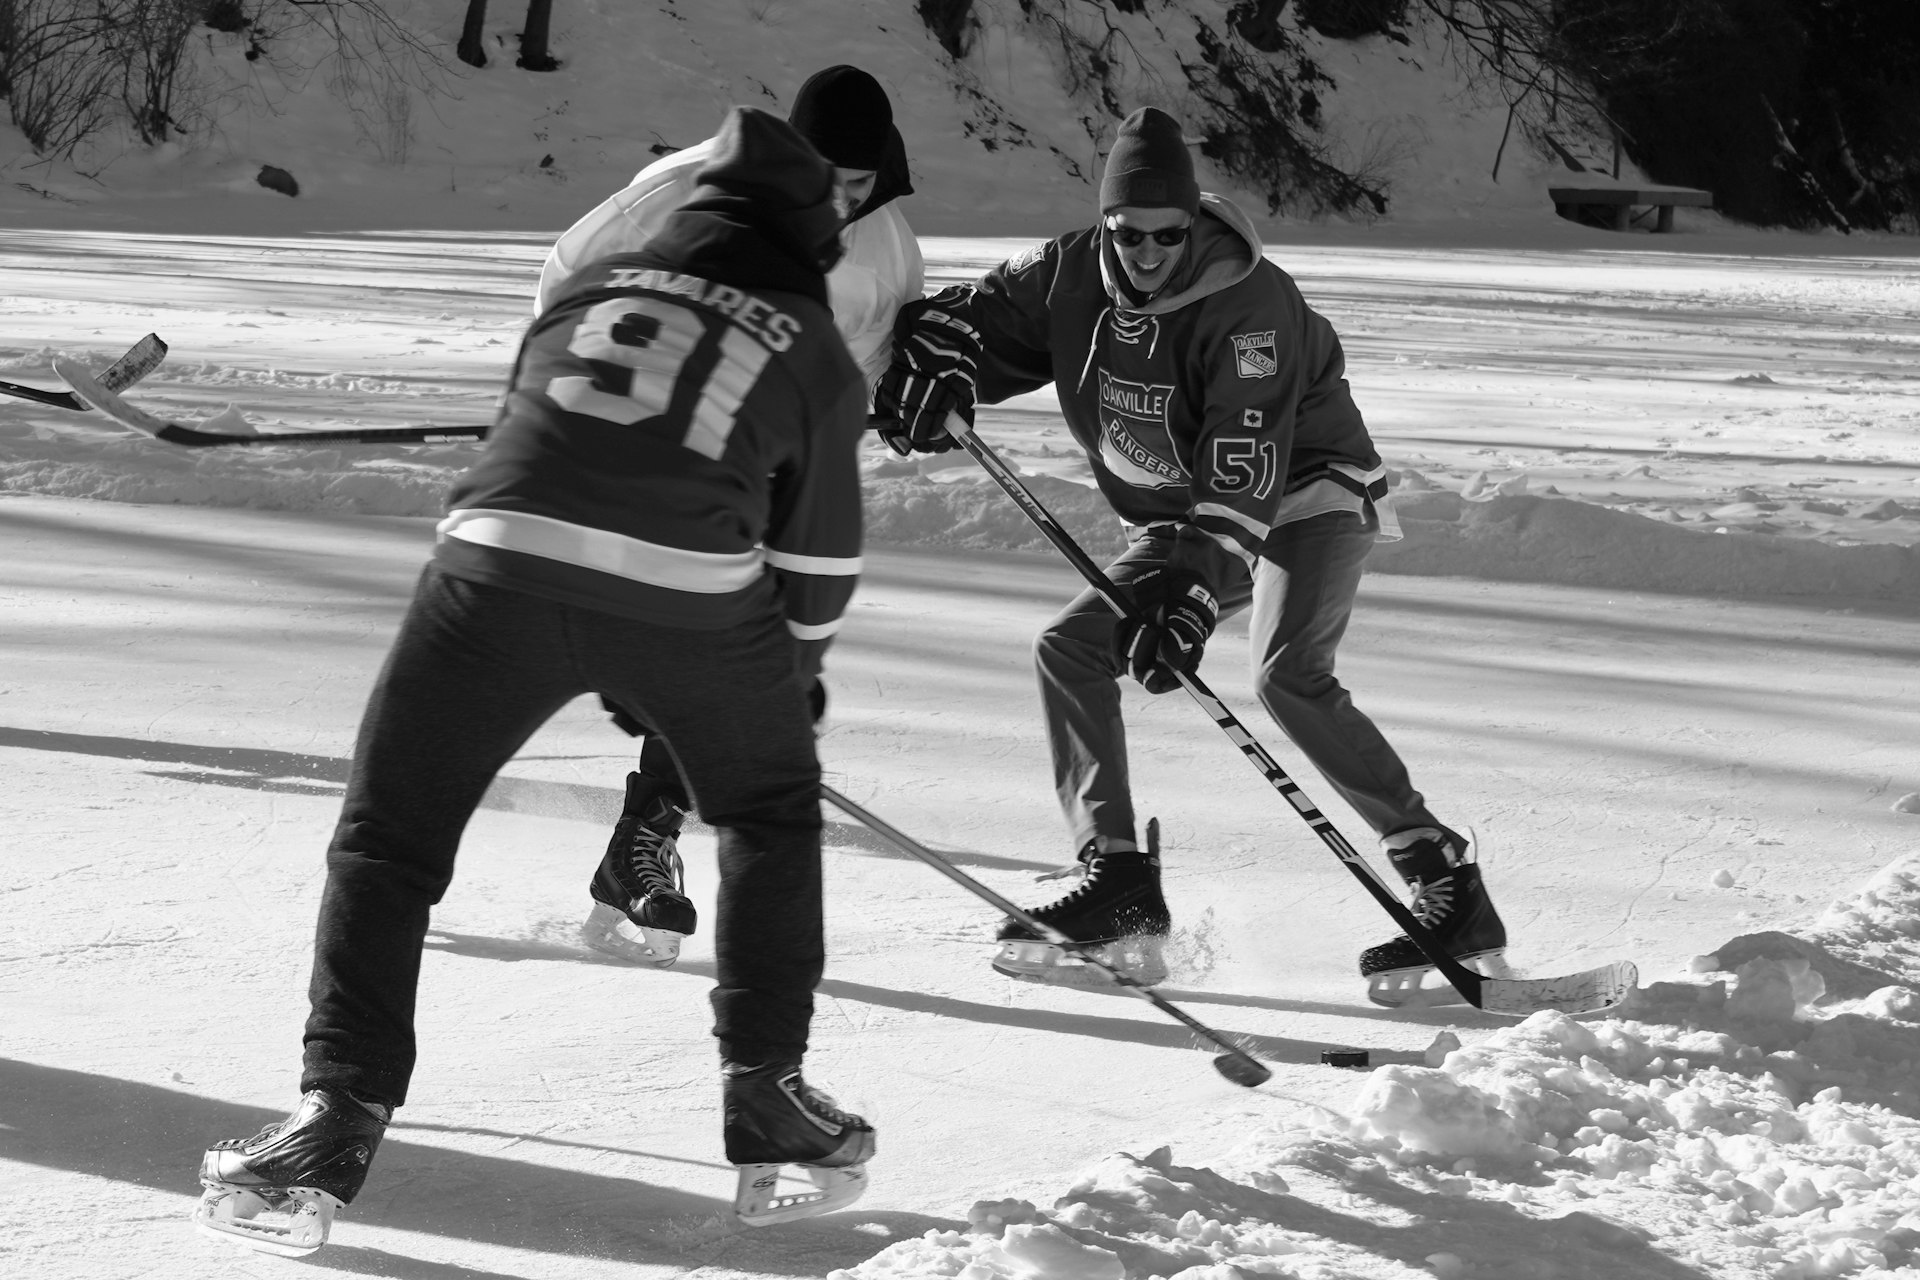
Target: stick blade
[
  {"x": 89, "y": 389},
  {"x": 1591, "y": 991},
  {"x": 141, "y": 359},
  {"x": 1243, "y": 1069}
]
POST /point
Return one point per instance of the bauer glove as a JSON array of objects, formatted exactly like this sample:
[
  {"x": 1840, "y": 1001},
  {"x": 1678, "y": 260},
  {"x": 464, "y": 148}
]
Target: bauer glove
[
  {"x": 1177, "y": 612},
  {"x": 935, "y": 353}
]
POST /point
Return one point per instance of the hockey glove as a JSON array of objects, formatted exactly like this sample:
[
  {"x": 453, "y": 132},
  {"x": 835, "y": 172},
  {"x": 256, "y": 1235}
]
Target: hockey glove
[
  {"x": 817, "y": 700},
  {"x": 935, "y": 353},
  {"x": 1177, "y": 613}
]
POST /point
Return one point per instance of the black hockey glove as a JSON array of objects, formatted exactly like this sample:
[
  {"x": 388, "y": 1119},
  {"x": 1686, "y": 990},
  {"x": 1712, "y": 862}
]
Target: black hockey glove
[
  {"x": 1178, "y": 613},
  {"x": 935, "y": 353},
  {"x": 817, "y": 700}
]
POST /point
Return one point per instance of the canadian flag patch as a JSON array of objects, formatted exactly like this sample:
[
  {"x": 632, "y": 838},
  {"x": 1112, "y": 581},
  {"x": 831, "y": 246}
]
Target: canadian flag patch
[{"x": 1253, "y": 355}]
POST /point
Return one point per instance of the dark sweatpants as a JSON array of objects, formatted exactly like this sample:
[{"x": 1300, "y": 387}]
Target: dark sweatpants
[
  {"x": 473, "y": 673},
  {"x": 1302, "y": 596}
]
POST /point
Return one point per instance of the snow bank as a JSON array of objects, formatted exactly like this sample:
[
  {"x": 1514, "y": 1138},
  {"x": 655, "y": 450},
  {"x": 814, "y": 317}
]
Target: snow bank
[
  {"x": 1529, "y": 538},
  {"x": 1754, "y": 1125},
  {"x": 1514, "y": 537}
]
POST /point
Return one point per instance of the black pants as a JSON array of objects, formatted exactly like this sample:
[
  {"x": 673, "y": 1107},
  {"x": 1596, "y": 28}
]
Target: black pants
[
  {"x": 1302, "y": 595},
  {"x": 473, "y": 673}
]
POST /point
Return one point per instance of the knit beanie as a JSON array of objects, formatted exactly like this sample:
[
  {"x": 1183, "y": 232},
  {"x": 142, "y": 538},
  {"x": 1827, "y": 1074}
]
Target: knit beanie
[
  {"x": 845, "y": 114},
  {"x": 1148, "y": 167}
]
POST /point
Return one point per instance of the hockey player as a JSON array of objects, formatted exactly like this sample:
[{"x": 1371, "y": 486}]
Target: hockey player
[
  {"x": 1212, "y": 403},
  {"x": 668, "y": 498},
  {"x": 847, "y": 117},
  {"x": 641, "y": 910}
]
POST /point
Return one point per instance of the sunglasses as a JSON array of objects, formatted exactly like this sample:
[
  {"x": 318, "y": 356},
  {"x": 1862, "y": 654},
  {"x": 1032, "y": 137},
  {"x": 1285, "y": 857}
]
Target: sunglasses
[{"x": 1133, "y": 237}]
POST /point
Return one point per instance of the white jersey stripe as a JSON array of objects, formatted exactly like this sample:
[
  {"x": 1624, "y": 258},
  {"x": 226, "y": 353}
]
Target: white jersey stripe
[
  {"x": 819, "y": 566},
  {"x": 1227, "y": 540},
  {"x": 812, "y": 631},
  {"x": 699, "y": 572},
  {"x": 1247, "y": 522}
]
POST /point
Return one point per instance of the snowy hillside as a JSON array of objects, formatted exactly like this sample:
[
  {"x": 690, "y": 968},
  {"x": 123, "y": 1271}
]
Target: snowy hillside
[{"x": 997, "y": 145}]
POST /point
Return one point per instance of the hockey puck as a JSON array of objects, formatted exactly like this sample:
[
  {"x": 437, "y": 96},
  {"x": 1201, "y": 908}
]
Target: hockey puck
[{"x": 1352, "y": 1059}]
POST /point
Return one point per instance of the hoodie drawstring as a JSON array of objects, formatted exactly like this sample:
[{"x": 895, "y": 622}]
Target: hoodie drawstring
[{"x": 1093, "y": 345}]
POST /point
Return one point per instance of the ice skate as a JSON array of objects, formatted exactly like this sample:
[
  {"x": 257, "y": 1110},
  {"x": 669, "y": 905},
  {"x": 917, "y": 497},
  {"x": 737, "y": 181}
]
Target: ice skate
[
  {"x": 277, "y": 1191},
  {"x": 640, "y": 907},
  {"x": 1450, "y": 900},
  {"x": 774, "y": 1119},
  {"x": 1117, "y": 911}
]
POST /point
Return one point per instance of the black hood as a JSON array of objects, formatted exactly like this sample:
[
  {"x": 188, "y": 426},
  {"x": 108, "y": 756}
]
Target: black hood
[
  {"x": 891, "y": 180},
  {"x": 763, "y": 216}
]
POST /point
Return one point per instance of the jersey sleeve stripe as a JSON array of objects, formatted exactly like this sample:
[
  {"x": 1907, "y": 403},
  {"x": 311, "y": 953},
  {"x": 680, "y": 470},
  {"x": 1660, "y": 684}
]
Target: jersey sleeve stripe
[
  {"x": 819, "y": 566},
  {"x": 813, "y": 630},
  {"x": 698, "y": 572},
  {"x": 1232, "y": 544},
  {"x": 1241, "y": 518}
]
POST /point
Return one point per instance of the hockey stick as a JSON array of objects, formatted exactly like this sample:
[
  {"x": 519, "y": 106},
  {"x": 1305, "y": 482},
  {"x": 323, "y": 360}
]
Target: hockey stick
[
  {"x": 141, "y": 359},
  {"x": 1588, "y": 991},
  {"x": 1236, "y": 1064},
  {"x": 95, "y": 392}
]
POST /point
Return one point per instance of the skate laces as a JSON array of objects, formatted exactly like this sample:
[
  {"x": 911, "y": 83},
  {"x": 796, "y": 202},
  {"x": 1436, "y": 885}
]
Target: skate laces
[
  {"x": 1432, "y": 900},
  {"x": 1090, "y": 880},
  {"x": 824, "y": 1106},
  {"x": 653, "y": 858}
]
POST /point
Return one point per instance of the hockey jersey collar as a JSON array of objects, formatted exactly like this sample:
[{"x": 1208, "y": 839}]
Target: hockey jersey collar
[{"x": 1221, "y": 253}]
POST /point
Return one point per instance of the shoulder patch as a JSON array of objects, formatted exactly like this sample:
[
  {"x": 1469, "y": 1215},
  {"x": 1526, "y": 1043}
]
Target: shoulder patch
[
  {"x": 1254, "y": 355},
  {"x": 1026, "y": 258}
]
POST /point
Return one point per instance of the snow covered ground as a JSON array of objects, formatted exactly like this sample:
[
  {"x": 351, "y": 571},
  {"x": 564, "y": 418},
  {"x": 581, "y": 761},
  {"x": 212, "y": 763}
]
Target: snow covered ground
[
  {"x": 1673, "y": 743},
  {"x": 1651, "y": 635}
]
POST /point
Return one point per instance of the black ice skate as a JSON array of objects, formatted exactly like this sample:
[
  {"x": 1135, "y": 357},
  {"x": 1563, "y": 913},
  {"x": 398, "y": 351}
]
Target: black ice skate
[
  {"x": 773, "y": 1118},
  {"x": 277, "y": 1191},
  {"x": 640, "y": 907},
  {"x": 1450, "y": 900},
  {"x": 1117, "y": 911}
]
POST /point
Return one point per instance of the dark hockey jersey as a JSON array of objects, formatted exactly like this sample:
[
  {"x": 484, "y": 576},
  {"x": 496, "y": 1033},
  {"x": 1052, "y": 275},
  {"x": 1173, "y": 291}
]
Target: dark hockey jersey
[
  {"x": 1220, "y": 404},
  {"x": 675, "y": 447}
]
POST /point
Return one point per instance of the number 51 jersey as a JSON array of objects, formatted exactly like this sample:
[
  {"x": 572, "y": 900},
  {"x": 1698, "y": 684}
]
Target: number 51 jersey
[{"x": 675, "y": 450}]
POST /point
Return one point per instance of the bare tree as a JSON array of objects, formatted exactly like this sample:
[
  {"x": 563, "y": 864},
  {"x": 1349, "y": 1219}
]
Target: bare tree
[
  {"x": 533, "y": 39},
  {"x": 472, "y": 48}
]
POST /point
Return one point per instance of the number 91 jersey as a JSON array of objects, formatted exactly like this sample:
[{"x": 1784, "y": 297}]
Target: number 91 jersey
[{"x": 674, "y": 449}]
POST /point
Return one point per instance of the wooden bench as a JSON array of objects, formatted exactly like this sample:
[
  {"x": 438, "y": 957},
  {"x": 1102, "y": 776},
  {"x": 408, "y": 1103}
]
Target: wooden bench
[{"x": 1613, "y": 206}]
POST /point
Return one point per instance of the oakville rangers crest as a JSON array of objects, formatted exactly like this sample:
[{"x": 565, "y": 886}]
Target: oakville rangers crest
[
  {"x": 1026, "y": 258},
  {"x": 1131, "y": 414},
  {"x": 1253, "y": 355}
]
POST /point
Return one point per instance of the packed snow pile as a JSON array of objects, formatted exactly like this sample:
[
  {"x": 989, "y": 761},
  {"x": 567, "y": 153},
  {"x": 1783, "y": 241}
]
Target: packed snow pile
[
  {"x": 1527, "y": 537},
  {"x": 1751, "y": 1125},
  {"x": 1517, "y": 537}
]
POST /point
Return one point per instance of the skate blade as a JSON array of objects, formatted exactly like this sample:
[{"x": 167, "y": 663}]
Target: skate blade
[
  {"x": 1403, "y": 989},
  {"x": 289, "y": 1221},
  {"x": 759, "y": 1200},
  {"x": 609, "y": 931},
  {"x": 1140, "y": 958}
]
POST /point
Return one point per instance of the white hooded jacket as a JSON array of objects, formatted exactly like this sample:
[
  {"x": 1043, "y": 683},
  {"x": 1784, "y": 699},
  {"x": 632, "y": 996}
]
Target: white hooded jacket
[{"x": 879, "y": 270}]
